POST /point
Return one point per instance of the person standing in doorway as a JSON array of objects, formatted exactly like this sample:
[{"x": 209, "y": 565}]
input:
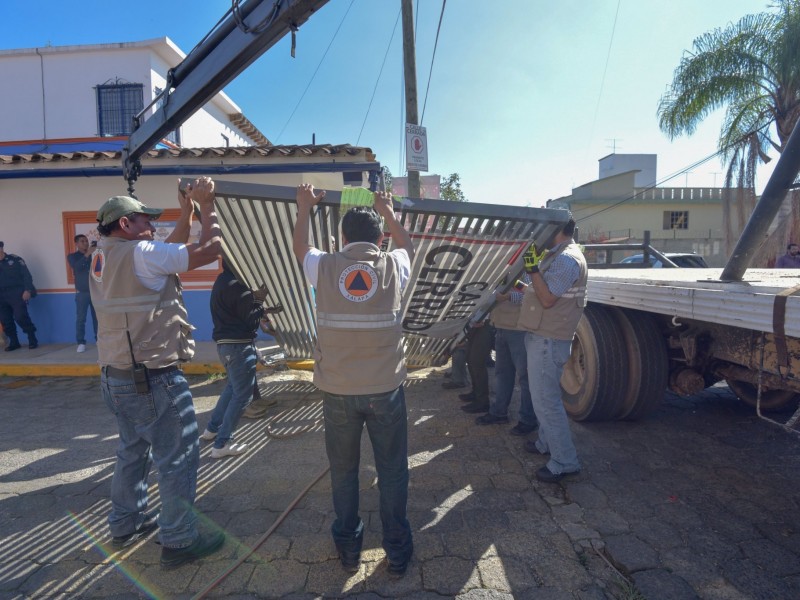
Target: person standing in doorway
[
  {"x": 81, "y": 261},
  {"x": 360, "y": 367}
]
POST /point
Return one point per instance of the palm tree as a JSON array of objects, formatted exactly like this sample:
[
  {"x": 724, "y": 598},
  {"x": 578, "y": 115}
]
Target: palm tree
[{"x": 752, "y": 69}]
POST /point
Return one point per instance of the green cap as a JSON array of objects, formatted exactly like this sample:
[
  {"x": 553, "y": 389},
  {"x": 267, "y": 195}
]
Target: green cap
[{"x": 120, "y": 206}]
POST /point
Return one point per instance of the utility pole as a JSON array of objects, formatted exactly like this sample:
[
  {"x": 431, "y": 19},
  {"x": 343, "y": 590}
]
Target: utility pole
[{"x": 410, "y": 76}]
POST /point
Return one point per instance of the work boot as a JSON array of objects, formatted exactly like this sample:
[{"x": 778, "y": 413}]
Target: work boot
[
  {"x": 33, "y": 343},
  {"x": 13, "y": 344}
]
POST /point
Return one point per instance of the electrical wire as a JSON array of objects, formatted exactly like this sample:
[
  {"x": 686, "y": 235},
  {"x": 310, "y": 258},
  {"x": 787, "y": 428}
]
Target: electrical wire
[
  {"x": 433, "y": 57},
  {"x": 602, "y": 81},
  {"x": 377, "y": 81},
  {"x": 315, "y": 71}
]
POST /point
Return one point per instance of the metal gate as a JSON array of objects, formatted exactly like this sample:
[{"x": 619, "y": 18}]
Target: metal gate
[{"x": 463, "y": 252}]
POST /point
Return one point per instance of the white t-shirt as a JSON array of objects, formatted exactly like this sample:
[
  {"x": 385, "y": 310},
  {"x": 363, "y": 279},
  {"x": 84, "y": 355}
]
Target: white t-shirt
[
  {"x": 154, "y": 262},
  {"x": 399, "y": 256}
]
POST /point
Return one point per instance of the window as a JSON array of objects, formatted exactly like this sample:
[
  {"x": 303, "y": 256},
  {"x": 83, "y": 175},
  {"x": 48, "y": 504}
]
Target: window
[
  {"x": 676, "y": 219},
  {"x": 117, "y": 104}
]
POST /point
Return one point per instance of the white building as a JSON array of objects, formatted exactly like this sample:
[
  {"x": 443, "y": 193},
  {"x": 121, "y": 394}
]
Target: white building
[{"x": 64, "y": 121}]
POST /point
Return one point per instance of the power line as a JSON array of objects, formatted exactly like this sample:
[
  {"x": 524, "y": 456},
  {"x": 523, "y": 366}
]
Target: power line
[
  {"x": 315, "y": 71},
  {"x": 433, "y": 57},
  {"x": 377, "y": 81}
]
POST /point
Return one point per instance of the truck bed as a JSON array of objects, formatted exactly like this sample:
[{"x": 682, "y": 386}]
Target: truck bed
[{"x": 699, "y": 295}]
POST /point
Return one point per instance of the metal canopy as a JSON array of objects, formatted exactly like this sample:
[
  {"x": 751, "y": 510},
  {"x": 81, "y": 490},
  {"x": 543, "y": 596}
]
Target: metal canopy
[{"x": 464, "y": 251}]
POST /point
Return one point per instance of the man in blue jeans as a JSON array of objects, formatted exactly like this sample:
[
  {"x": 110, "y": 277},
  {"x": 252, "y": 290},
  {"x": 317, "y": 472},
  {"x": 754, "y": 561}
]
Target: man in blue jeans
[
  {"x": 236, "y": 312},
  {"x": 80, "y": 261},
  {"x": 360, "y": 368},
  {"x": 143, "y": 338},
  {"x": 510, "y": 360}
]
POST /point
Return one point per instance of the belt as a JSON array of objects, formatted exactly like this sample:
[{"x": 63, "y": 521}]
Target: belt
[{"x": 128, "y": 374}]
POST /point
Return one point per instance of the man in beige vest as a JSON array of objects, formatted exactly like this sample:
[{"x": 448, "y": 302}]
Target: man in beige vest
[
  {"x": 143, "y": 338},
  {"x": 551, "y": 308},
  {"x": 359, "y": 366}
]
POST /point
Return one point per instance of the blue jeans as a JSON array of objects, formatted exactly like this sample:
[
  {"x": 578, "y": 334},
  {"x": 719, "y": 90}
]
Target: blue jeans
[
  {"x": 511, "y": 359},
  {"x": 546, "y": 360},
  {"x": 385, "y": 416},
  {"x": 83, "y": 302},
  {"x": 160, "y": 427},
  {"x": 240, "y": 362}
]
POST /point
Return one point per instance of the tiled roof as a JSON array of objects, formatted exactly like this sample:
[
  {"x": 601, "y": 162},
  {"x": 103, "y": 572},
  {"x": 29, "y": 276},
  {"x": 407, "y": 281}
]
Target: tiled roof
[{"x": 306, "y": 151}]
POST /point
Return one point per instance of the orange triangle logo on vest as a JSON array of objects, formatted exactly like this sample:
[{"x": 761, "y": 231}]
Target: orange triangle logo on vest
[
  {"x": 98, "y": 260},
  {"x": 358, "y": 282}
]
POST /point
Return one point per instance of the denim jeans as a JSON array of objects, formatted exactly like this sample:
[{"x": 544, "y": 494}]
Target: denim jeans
[
  {"x": 386, "y": 420},
  {"x": 510, "y": 360},
  {"x": 478, "y": 352},
  {"x": 240, "y": 362},
  {"x": 160, "y": 427},
  {"x": 83, "y": 302},
  {"x": 546, "y": 360},
  {"x": 459, "y": 365}
]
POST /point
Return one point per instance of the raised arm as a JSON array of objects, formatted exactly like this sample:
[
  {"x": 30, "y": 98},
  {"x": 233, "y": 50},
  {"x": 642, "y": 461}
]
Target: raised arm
[
  {"x": 400, "y": 237},
  {"x": 207, "y": 249},
  {"x": 306, "y": 200},
  {"x": 183, "y": 226}
]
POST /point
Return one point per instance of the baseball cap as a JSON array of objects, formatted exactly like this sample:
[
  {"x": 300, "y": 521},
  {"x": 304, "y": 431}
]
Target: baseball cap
[{"x": 119, "y": 206}]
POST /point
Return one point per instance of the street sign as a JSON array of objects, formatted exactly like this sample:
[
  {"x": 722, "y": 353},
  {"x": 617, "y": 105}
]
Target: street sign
[{"x": 416, "y": 148}]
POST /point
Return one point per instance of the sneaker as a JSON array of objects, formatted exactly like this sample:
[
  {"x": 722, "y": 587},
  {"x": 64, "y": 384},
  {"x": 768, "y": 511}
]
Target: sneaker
[
  {"x": 230, "y": 450},
  {"x": 453, "y": 385},
  {"x": 208, "y": 436},
  {"x": 351, "y": 561},
  {"x": 205, "y": 544},
  {"x": 149, "y": 525},
  {"x": 81, "y": 347},
  {"x": 530, "y": 446},
  {"x": 476, "y": 407},
  {"x": 545, "y": 475},
  {"x": 521, "y": 429},
  {"x": 490, "y": 419}
]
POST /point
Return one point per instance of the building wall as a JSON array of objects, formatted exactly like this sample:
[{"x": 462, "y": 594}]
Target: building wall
[
  {"x": 646, "y": 164},
  {"x": 33, "y": 228},
  {"x": 53, "y": 94}
]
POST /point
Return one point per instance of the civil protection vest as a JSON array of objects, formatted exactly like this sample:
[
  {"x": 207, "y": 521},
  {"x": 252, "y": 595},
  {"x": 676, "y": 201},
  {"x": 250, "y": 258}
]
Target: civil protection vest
[
  {"x": 359, "y": 331},
  {"x": 505, "y": 315},
  {"x": 157, "y": 321},
  {"x": 560, "y": 320}
]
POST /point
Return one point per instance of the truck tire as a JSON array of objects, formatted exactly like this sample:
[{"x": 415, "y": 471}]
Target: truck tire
[
  {"x": 595, "y": 377},
  {"x": 771, "y": 400},
  {"x": 648, "y": 364}
]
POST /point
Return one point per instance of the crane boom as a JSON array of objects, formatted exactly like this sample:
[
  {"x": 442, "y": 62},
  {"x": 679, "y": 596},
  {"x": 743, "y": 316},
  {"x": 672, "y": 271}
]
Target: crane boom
[{"x": 246, "y": 33}]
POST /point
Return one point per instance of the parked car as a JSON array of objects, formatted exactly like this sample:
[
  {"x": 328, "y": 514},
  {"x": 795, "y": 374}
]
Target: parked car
[{"x": 682, "y": 259}]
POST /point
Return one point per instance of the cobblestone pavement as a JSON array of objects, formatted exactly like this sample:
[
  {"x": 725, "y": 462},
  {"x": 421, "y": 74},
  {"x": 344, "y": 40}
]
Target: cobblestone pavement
[{"x": 699, "y": 500}]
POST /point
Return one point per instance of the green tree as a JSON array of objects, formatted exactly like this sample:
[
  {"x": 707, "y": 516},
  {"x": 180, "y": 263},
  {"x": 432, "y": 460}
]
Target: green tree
[
  {"x": 751, "y": 69},
  {"x": 450, "y": 188}
]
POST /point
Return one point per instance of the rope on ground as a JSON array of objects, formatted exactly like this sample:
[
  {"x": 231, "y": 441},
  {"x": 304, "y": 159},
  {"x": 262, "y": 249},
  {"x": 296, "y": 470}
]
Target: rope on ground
[{"x": 262, "y": 539}]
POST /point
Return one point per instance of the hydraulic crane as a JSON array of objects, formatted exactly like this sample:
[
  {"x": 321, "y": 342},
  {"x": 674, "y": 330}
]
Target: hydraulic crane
[{"x": 244, "y": 33}]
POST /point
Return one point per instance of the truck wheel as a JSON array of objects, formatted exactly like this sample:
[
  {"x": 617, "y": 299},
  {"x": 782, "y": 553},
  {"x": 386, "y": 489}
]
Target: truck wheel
[
  {"x": 648, "y": 364},
  {"x": 770, "y": 399},
  {"x": 594, "y": 378}
]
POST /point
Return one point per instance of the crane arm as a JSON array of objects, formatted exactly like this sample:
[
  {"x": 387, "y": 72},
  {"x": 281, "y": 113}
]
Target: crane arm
[{"x": 247, "y": 31}]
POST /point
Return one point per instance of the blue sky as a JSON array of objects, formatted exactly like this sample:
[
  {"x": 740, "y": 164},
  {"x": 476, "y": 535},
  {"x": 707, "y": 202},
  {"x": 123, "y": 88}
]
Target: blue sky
[{"x": 525, "y": 95}]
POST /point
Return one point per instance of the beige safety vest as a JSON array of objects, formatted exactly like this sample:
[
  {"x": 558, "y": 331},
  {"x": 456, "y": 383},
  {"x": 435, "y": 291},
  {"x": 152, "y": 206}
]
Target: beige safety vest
[
  {"x": 359, "y": 331},
  {"x": 157, "y": 321},
  {"x": 505, "y": 315},
  {"x": 560, "y": 320}
]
